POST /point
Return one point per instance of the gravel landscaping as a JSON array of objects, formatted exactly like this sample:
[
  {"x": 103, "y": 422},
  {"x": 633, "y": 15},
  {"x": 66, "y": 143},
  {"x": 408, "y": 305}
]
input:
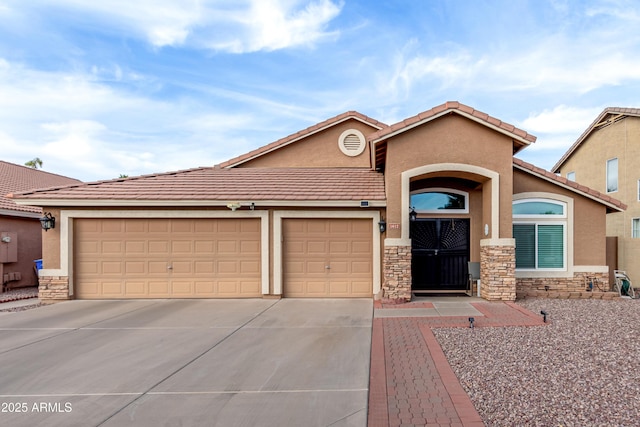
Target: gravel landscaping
[{"x": 582, "y": 369}]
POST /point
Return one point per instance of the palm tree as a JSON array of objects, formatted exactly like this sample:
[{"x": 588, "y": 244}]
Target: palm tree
[{"x": 36, "y": 163}]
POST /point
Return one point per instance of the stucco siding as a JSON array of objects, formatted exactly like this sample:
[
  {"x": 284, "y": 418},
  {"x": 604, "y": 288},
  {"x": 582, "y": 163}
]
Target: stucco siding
[
  {"x": 317, "y": 150},
  {"x": 621, "y": 140},
  {"x": 589, "y": 242},
  {"x": 450, "y": 140}
]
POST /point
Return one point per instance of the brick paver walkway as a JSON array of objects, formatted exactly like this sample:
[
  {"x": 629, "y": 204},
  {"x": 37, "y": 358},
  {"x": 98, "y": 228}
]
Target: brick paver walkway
[{"x": 411, "y": 382}]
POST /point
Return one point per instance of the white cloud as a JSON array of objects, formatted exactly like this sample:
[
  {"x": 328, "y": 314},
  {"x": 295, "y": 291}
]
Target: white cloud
[
  {"x": 82, "y": 128},
  {"x": 561, "y": 119},
  {"x": 233, "y": 26}
]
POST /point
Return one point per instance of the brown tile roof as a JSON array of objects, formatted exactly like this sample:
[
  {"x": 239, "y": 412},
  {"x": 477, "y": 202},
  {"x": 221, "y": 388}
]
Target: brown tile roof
[
  {"x": 15, "y": 178},
  {"x": 299, "y": 135},
  {"x": 225, "y": 185},
  {"x": 457, "y": 107},
  {"x": 610, "y": 202},
  {"x": 615, "y": 112}
]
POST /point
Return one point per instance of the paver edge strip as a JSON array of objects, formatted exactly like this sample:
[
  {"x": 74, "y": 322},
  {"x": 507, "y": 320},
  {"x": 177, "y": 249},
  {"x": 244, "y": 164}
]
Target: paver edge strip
[
  {"x": 462, "y": 403},
  {"x": 377, "y": 413}
]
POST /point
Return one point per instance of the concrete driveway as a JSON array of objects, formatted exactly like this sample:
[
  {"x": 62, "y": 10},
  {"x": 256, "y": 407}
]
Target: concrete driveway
[{"x": 287, "y": 362}]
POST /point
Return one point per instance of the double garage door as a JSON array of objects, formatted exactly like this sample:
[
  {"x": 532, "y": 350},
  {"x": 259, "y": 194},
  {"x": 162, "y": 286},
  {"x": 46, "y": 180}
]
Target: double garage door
[
  {"x": 218, "y": 258},
  {"x": 167, "y": 258}
]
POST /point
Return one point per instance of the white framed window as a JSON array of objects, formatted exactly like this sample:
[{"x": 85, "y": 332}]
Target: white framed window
[
  {"x": 635, "y": 228},
  {"x": 440, "y": 200},
  {"x": 612, "y": 175},
  {"x": 571, "y": 176},
  {"x": 540, "y": 231}
]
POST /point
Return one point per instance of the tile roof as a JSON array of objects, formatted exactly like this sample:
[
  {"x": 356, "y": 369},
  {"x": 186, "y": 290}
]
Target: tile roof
[
  {"x": 15, "y": 178},
  {"x": 613, "y": 204},
  {"x": 457, "y": 107},
  {"x": 299, "y": 135},
  {"x": 598, "y": 121},
  {"x": 225, "y": 185}
]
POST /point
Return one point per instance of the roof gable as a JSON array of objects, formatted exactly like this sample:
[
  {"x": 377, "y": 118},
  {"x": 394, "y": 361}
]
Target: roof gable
[
  {"x": 379, "y": 139},
  {"x": 609, "y": 115},
  {"x": 16, "y": 178},
  {"x": 613, "y": 205},
  {"x": 300, "y": 135}
]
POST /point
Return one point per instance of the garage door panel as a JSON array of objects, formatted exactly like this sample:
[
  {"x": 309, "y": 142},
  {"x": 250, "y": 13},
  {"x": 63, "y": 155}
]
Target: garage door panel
[
  {"x": 361, "y": 267},
  {"x": 249, "y": 267},
  {"x": 361, "y": 247},
  {"x": 135, "y": 247},
  {"x": 310, "y": 245},
  {"x": 157, "y": 226},
  {"x": 135, "y": 226},
  {"x": 204, "y": 247},
  {"x": 111, "y": 267},
  {"x": 112, "y": 289},
  {"x": 89, "y": 267},
  {"x": 158, "y": 267},
  {"x": 250, "y": 247},
  {"x": 111, "y": 247},
  {"x": 316, "y": 247},
  {"x": 339, "y": 267},
  {"x": 131, "y": 259},
  {"x": 158, "y": 288},
  {"x": 113, "y": 226},
  {"x": 339, "y": 247},
  {"x": 204, "y": 267},
  {"x": 134, "y": 267},
  {"x": 158, "y": 247},
  {"x": 227, "y": 247}
]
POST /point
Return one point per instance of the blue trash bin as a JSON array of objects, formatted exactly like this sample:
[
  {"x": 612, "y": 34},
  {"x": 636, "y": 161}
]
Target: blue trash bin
[{"x": 38, "y": 263}]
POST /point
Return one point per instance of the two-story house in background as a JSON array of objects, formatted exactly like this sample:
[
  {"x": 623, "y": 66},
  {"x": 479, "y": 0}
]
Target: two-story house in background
[{"x": 606, "y": 157}]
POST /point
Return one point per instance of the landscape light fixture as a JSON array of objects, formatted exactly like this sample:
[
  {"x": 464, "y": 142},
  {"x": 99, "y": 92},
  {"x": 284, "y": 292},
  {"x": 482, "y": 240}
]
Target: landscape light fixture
[
  {"x": 383, "y": 225},
  {"x": 48, "y": 221},
  {"x": 544, "y": 316},
  {"x": 471, "y": 320}
]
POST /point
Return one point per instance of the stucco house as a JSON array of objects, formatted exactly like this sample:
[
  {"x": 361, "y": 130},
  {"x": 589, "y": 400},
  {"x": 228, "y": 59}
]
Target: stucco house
[
  {"x": 606, "y": 158},
  {"x": 349, "y": 207},
  {"x": 20, "y": 230}
]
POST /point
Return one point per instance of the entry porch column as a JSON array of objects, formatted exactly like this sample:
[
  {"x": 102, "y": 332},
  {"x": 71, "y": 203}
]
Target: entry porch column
[{"x": 498, "y": 269}]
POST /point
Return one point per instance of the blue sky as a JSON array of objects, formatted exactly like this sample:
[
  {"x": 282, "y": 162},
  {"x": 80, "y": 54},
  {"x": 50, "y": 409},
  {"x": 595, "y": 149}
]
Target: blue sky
[{"x": 102, "y": 88}]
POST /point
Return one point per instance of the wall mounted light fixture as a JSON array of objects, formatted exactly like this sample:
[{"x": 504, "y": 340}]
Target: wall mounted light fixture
[
  {"x": 383, "y": 225},
  {"x": 413, "y": 214},
  {"x": 233, "y": 205},
  {"x": 48, "y": 221}
]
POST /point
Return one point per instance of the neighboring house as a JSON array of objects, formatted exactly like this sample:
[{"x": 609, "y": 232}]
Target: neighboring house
[
  {"x": 349, "y": 207},
  {"x": 20, "y": 231},
  {"x": 606, "y": 157}
]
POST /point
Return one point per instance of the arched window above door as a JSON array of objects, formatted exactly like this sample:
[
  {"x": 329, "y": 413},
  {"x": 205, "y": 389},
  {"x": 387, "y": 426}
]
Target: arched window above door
[{"x": 440, "y": 200}]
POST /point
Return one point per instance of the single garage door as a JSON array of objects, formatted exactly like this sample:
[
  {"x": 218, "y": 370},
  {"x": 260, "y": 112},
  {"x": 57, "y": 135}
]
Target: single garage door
[
  {"x": 166, "y": 258},
  {"x": 327, "y": 258}
]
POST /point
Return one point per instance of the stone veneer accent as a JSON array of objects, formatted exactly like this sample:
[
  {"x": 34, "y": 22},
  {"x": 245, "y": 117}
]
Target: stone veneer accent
[
  {"x": 564, "y": 285},
  {"x": 53, "y": 288},
  {"x": 397, "y": 273},
  {"x": 498, "y": 270}
]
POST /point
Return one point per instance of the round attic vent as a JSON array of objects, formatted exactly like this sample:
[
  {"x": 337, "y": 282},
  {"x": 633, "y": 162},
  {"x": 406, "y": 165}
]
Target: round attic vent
[{"x": 351, "y": 142}]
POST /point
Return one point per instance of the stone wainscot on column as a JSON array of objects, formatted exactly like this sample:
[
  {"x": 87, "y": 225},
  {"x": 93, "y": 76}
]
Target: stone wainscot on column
[
  {"x": 498, "y": 269},
  {"x": 397, "y": 274}
]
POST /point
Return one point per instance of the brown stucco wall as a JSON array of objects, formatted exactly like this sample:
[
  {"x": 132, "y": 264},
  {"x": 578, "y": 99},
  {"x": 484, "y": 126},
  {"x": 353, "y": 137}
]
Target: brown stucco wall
[
  {"x": 318, "y": 150},
  {"x": 589, "y": 219},
  {"x": 51, "y": 243},
  {"x": 451, "y": 139},
  {"x": 29, "y": 247},
  {"x": 619, "y": 140}
]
